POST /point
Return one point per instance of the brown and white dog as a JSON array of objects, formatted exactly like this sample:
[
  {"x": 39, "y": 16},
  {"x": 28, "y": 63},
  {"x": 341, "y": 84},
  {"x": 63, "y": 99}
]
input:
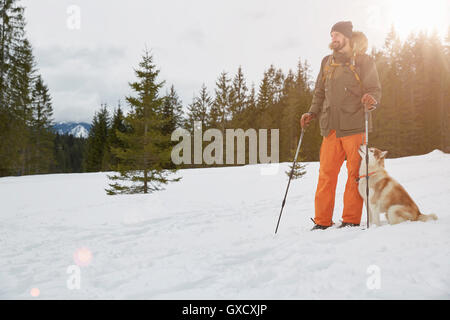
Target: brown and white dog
[{"x": 385, "y": 194}]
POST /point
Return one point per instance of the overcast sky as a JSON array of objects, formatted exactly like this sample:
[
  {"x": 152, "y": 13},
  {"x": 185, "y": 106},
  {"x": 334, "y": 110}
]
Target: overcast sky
[{"x": 192, "y": 41}]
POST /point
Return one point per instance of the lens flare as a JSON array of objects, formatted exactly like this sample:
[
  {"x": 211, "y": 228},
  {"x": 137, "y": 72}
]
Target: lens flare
[
  {"x": 82, "y": 257},
  {"x": 35, "y": 292},
  {"x": 418, "y": 15}
]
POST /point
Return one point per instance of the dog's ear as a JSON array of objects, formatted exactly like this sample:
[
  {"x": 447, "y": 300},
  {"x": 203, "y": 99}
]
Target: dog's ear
[{"x": 383, "y": 154}]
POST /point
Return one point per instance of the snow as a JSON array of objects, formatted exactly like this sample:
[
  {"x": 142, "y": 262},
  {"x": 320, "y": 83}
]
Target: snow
[
  {"x": 211, "y": 236},
  {"x": 79, "y": 132}
]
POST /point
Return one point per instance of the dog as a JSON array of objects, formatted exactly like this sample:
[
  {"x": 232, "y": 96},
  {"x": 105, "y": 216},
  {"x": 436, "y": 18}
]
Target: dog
[{"x": 385, "y": 194}]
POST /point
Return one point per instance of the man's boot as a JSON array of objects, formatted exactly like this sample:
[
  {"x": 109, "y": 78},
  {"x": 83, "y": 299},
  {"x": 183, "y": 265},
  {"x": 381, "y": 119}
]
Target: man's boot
[
  {"x": 348, "y": 224},
  {"x": 318, "y": 226}
]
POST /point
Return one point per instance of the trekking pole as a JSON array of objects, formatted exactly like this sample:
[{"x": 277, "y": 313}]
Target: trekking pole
[
  {"x": 367, "y": 164},
  {"x": 290, "y": 177}
]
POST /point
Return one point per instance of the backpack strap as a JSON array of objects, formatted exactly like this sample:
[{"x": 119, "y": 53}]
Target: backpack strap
[
  {"x": 330, "y": 66},
  {"x": 328, "y": 69},
  {"x": 352, "y": 66}
]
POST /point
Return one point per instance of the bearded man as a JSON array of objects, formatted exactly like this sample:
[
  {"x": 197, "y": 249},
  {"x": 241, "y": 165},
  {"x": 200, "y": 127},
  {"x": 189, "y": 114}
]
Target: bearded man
[{"x": 347, "y": 86}]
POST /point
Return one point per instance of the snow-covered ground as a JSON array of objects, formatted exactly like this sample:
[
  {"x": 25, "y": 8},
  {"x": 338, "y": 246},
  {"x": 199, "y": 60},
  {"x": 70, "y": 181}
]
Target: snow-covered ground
[{"x": 211, "y": 236}]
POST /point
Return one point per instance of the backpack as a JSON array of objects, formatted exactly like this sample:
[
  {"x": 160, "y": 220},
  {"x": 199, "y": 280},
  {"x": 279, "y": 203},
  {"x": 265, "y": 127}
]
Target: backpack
[
  {"x": 359, "y": 44},
  {"x": 330, "y": 66}
]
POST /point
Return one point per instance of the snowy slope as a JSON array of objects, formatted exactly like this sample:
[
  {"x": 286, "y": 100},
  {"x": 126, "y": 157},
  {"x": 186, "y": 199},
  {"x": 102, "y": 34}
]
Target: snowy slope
[
  {"x": 79, "y": 132},
  {"x": 211, "y": 236},
  {"x": 77, "y": 129}
]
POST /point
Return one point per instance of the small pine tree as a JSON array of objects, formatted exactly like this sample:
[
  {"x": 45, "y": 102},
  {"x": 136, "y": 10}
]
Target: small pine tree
[
  {"x": 299, "y": 171},
  {"x": 145, "y": 150}
]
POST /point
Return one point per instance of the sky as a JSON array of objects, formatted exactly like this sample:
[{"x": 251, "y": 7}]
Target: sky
[{"x": 87, "y": 50}]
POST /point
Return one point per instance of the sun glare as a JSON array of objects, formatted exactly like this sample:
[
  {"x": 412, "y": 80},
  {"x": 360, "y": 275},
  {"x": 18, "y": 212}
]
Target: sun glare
[{"x": 415, "y": 15}]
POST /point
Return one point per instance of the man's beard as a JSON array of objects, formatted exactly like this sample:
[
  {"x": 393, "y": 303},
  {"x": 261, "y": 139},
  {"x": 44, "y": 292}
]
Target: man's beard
[{"x": 336, "y": 45}]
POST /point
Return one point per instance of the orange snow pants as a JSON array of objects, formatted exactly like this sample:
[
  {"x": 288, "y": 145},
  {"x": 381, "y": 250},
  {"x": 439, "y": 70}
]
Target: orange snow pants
[{"x": 332, "y": 155}]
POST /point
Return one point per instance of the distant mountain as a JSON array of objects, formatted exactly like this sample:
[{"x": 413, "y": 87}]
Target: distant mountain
[{"x": 77, "y": 129}]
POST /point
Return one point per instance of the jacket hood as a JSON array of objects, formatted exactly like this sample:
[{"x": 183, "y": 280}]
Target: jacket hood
[{"x": 359, "y": 42}]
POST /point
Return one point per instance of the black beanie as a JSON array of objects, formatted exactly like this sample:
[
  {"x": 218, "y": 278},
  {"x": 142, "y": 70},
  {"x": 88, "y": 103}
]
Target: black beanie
[{"x": 344, "y": 27}]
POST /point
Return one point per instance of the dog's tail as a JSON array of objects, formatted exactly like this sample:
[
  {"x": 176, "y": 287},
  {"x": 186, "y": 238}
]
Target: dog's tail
[{"x": 426, "y": 217}]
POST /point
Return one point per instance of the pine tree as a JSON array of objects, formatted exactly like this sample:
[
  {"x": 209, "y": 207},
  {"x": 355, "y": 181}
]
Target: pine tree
[
  {"x": 446, "y": 95},
  {"x": 12, "y": 32},
  {"x": 290, "y": 114},
  {"x": 436, "y": 71},
  {"x": 110, "y": 160},
  {"x": 310, "y": 150},
  {"x": 220, "y": 110},
  {"x": 142, "y": 159},
  {"x": 21, "y": 76},
  {"x": 97, "y": 142},
  {"x": 172, "y": 113},
  {"x": 238, "y": 98},
  {"x": 11, "y": 35},
  {"x": 269, "y": 95},
  {"x": 199, "y": 110},
  {"x": 41, "y": 126},
  {"x": 266, "y": 95},
  {"x": 248, "y": 115},
  {"x": 386, "y": 135}
]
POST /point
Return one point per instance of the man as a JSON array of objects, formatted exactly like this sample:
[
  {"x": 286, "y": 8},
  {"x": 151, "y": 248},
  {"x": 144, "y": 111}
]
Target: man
[{"x": 347, "y": 86}]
